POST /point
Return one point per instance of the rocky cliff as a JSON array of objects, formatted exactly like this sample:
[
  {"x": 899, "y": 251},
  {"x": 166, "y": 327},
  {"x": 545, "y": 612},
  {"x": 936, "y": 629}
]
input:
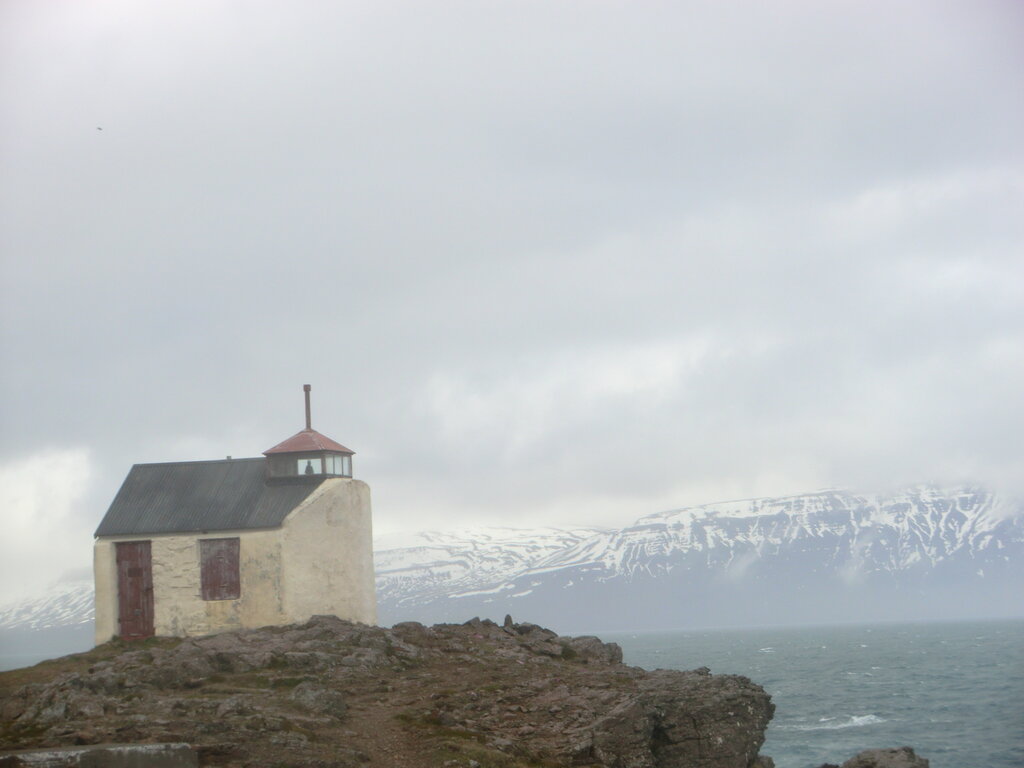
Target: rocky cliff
[{"x": 333, "y": 693}]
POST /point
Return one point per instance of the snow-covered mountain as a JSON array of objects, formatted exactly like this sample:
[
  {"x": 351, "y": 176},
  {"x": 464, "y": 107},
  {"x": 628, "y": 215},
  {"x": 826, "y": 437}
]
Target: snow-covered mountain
[
  {"x": 55, "y": 623},
  {"x": 829, "y": 556},
  {"x": 67, "y": 603},
  {"x": 822, "y": 557},
  {"x": 436, "y": 565}
]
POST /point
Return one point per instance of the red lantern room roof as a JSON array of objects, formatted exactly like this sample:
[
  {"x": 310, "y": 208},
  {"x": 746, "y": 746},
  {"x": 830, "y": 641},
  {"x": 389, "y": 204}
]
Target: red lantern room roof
[{"x": 308, "y": 440}]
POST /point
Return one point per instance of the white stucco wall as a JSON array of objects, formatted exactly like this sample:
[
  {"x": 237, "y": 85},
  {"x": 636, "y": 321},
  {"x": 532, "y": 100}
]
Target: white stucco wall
[
  {"x": 104, "y": 571},
  {"x": 328, "y": 554},
  {"x": 178, "y": 606},
  {"x": 320, "y": 561}
]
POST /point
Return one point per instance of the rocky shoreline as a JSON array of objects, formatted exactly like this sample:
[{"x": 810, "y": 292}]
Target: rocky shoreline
[{"x": 333, "y": 694}]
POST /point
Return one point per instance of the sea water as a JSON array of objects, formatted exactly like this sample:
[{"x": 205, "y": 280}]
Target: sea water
[{"x": 954, "y": 692}]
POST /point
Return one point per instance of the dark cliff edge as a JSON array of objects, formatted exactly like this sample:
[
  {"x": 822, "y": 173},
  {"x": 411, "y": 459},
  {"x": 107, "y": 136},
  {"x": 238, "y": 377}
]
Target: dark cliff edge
[{"x": 333, "y": 694}]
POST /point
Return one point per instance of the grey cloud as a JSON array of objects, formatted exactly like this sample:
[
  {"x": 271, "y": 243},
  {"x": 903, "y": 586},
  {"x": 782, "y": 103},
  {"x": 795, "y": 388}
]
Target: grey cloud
[{"x": 531, "y": 256}]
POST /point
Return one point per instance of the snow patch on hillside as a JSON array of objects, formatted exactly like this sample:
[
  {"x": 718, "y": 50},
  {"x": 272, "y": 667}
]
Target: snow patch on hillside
[{"x": 67, "y": 603}]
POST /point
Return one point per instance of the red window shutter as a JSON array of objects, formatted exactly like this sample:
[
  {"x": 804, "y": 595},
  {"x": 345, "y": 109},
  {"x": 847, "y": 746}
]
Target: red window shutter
[{"x": 219, "y": 569}]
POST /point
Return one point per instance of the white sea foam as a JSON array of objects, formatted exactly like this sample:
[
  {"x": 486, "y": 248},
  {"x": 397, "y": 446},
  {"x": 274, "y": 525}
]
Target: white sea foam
[{"x": 832, "y": 724}]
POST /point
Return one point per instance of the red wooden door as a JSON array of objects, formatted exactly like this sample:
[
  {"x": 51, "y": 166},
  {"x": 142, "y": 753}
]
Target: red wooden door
[{"x": 134, "y": 589}]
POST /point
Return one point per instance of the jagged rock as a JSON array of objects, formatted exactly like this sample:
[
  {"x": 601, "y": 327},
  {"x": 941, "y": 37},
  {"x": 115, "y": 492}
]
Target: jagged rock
[
  {"x": 319, "y": 699},
  {"x": 411, "y": 695},
  {"x": 685, "y": 719},
  {"x": 588, "y": 647},
  {"x": 901, "y": 757}
]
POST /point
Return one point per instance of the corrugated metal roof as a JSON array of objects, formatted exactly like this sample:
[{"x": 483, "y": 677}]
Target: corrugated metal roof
[
  {"x": 308, "y": 440},
  {"x": 192, "y": 496}
]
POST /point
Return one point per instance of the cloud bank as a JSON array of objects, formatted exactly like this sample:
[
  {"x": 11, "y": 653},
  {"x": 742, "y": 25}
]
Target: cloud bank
[{"x": 542, "y": 262}]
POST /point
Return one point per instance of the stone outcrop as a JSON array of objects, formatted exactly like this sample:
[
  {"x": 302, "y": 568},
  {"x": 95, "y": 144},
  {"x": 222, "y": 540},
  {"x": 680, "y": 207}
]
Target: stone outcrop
[
  {"x": 901, "y": 757},
  {"x": 330, "y": 693}
]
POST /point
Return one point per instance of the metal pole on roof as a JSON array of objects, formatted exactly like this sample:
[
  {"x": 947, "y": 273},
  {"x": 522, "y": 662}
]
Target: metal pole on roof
[{"x": 306, "y": 388}]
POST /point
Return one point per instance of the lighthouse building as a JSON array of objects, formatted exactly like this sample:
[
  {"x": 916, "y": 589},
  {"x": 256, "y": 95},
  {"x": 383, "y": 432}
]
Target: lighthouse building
[{"x": 197, "y": 547}]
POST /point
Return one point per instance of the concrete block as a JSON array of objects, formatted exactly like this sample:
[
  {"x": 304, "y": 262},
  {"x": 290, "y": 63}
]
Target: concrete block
[{"x": 104, "y": 756}]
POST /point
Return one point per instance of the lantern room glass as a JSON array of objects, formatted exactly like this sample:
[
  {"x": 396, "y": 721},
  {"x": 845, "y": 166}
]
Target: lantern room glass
[{"x": 310, "y": 466}]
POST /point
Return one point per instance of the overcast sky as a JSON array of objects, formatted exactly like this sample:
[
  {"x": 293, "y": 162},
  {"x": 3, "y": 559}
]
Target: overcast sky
[{"x": 542, "y": 262}]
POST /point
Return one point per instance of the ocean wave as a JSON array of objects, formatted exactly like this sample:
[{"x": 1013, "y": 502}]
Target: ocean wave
[{"x": 832, "y": 724}]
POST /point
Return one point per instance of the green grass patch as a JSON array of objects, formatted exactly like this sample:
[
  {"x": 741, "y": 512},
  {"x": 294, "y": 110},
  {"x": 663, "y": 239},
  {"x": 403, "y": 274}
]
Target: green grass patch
[
  {"x": 45, "y": 671},
  {"x": 21, "y": 736},
  {"x": 288, "y": 682},
  {"x": 486, "y": 756},
  {"x": 431, "y": 725}
]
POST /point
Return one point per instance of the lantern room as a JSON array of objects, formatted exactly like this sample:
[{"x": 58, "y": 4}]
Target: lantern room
[{"x": 308, "y": 455}]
